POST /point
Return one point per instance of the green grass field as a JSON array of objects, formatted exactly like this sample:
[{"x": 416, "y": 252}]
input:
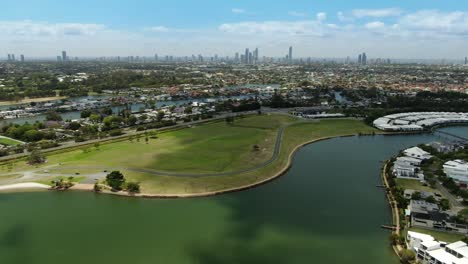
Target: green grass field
[
  {"x": 8, "y": 141},
  {"x": 414, "y": 185},
  {"x": 210, "y": 148},
  {"x": 440, "y": 236}
]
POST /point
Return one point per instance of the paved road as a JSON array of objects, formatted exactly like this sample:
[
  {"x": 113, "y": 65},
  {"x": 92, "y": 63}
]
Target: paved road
[{"x": 453, "y": 200}]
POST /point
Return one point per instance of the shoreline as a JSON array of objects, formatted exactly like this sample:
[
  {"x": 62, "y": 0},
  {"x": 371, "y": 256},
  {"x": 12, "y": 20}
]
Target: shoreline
[
  {"x": 393, "y": 207},
  {"x": 281, "y": 172},
  {"x": 23, "y": 186},
  {"x": 278, "y": 174}
]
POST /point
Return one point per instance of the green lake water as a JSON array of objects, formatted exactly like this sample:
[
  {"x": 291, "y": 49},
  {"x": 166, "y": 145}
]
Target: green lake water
[{"x": 326, "y": 209}]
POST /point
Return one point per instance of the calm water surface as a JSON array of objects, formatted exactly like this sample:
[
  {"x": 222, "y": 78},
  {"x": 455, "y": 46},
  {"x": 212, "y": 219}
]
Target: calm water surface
[{"x": 325, "y": 210}]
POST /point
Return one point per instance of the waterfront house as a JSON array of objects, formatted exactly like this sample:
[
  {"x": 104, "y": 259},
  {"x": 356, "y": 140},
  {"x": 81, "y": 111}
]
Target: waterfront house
[
  {"x": 455, "y": 253},
  {"x": 418, "y": 153},
  {"x": 458, "y": 171},
  {"x": 428, "y": 215},
  {"x": 405, "y": 171}
]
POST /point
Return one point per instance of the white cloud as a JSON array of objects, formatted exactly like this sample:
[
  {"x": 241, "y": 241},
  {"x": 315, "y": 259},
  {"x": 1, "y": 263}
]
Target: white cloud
[
  {"x": 386, "y": 12},
  {"x": 321, "y": 16},
  {"x": 157, "y": 29},
  {"x": 436, "y": 21},
  {"x": 375, "y": 25},
  {"x": 37, "y": 29},
  {"x": 237, "y": 11},
  {"x": 305, "y": 27},
  {"x": 297, "y": 14},
  {"x": 341, "y": 17}
]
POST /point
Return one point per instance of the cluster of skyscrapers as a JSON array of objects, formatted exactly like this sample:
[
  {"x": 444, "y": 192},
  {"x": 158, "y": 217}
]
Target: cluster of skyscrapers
[
  {"x": 362, "y": 59},
  {"x": 63, "y": 57},
  {"x": 11, "y": 57}
]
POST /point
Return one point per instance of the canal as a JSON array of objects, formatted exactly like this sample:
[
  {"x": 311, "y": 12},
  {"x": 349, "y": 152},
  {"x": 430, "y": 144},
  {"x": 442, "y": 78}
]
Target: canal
[{"x": 326, "y": 210}]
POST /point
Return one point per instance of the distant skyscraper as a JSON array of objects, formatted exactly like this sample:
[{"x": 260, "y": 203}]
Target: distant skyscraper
[
  {"x": 290, "y": 55},
  {"x": 364, "y": 58},
  {"x": 466, "y": 60},
  {"x": 360, "y": 59},
  {"x": 9, "y": 57},
  {"x": 156, "y": 58},
  {"x": 13, "y": 57},
  {"x": 22, "y": 58},
  {"x": 255, "y": 55},
  {"x": 236, "y": 57},
  {"x": 64, "y": 56},
  {"x": 246, "y": 56}
]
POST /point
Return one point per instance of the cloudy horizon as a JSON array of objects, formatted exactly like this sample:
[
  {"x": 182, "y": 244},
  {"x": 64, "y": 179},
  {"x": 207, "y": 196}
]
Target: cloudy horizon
[{"x": 314, "y": 29}]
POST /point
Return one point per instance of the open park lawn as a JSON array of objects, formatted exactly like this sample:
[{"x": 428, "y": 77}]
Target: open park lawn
[
  {"x": 8, "y": 141},
  {"x": 210, "y": 148}
]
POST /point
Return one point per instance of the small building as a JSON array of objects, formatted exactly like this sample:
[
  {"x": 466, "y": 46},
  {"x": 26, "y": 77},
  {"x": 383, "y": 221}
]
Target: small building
[
  {"x": 404, "y": 171},
  {"x": 418, "y": 153},
  {"x": 409, "y": 161},
  {"x": 458, "y": 171}
]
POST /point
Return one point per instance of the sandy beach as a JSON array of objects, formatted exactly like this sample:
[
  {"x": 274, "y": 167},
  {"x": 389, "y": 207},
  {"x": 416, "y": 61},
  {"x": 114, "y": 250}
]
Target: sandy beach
[{"x": 25, "y": 185}]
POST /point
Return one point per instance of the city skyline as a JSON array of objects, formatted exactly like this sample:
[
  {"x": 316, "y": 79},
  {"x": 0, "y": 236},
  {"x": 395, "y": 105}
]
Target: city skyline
[{"x": 393, "y": 29}]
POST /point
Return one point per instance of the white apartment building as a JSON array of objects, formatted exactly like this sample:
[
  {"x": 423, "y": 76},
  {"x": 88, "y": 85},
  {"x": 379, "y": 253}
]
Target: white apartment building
[
  {"x": 458, "y": 171},
  {"x": 430, "y": 251}
]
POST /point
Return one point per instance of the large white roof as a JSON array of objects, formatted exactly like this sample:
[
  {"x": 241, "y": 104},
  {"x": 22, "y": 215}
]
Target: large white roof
[{"x": 418, "y": 120}]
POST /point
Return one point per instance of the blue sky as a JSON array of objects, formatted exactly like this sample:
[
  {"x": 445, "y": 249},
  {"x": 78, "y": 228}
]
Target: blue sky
[{"x": 320, "y": 28}]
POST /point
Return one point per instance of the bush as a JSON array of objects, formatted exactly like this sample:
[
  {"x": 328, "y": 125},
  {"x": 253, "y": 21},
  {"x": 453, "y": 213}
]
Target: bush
[
  {"x": 115, "y": 133},
  {"x": 36, "y": 157},
  {"x": 133, "y": 187},
  {"x": 407, "y": 256}
]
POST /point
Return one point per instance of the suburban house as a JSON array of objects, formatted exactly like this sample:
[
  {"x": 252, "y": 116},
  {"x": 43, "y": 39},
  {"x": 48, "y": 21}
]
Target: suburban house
[
  {"x": 407, "y": 167},
  {"x": 444, "y": 147},
  {"x": 430, "y": 251},
  {"x": 458, "y": 171},
  {"x": 428, "y": 215},
  {"x": 418, "y": 153}
]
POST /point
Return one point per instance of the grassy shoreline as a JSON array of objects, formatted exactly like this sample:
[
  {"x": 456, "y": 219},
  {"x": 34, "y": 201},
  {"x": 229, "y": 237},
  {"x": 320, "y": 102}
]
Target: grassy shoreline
[{"x": 265, "y": 129}]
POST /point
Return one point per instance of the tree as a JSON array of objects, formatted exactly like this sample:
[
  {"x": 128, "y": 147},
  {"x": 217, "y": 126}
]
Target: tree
[
  {"x": 229, "y": 119},
  {"x": 160, "y": 115},
  {"x": 86, "y": 113},
  {"x": 431, "y": 199},
  {"x": 74, "y": 126},
  {"x": 97, "y": 145},
  {"x": 444, "y": 204},
  {"x": 416, "y": 196},
  {"x": 53, "y": 116},
  {"x": 465, "y": 239},
  {"x": 132, "y": 120},
  {"x": 97, "y": 188},
  {"x": 407, "y": 256},
  {"x": 133, "y": 187},
  {"x": 115, "y": 180},
  {"x": 36, "y": 157},
  {"x": 95, "y": 118}
]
